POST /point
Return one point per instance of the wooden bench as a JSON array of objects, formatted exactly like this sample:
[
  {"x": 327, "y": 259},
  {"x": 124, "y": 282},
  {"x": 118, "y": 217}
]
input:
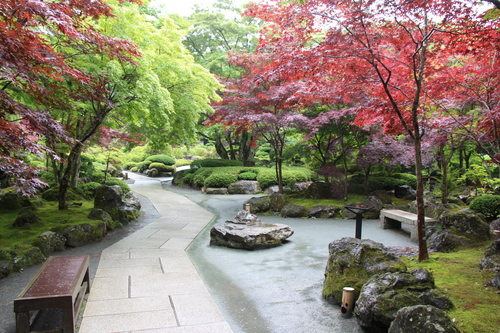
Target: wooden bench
[
  {"x": 392, "y": 218},
  {"x": 61, "y": 283}
]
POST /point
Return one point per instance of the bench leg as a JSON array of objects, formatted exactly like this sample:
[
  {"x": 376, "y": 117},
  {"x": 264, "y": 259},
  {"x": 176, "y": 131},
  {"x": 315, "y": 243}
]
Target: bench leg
[
  {"x": 23, "y": 322},
  {"x": 388, "y": 223},
  {"x": 68, "y": 320},
  {"x": 414, "y": 232}
]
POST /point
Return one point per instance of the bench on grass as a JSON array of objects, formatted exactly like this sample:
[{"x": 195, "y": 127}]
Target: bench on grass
[
  {"x": 61, "y": 283},
  {"x": 392, "y": 218}
]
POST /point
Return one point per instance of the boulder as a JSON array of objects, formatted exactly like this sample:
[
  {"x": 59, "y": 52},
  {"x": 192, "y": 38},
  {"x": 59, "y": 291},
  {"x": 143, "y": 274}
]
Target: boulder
[
  {"x": 319, "y": 190},
  {"x": 82, "y": 234},
  {"x": 297, "y": 187},
  {"x": 294, "y": 211},
  {"x": 276, "y": 202},
  {"x": 495, "y": 282},
  {"x": 384, "y": 196},
  {"x": 244, "y": 187},
  {"x": 376, "y": 203},
  {"x": 258, "y": 204},
  {"x": 468, "y": 224},
  {"x": 215, "y": 190},
  {"x": 14, "y": 201},
  {"x": 6, "y": 267},
  {"x": 384, "y": 295},
  {"x": 122, "y": 208},
  {"x": 405, "y": 192},
  {"x": 276, "y": 189},
  {"x": 440, "y": 240},
  {"x": 352, "y": 262},
  {"x": 26, "y": 217},
  {"x": 422, "y": 319},
  {"x": 324, "y": 211},
  {"x": 49, "y": 242},
  {"x": 241, "y": 236},
  {"x": 32, "y": 257},
  {"x": 432, "y": 208},
  {"x": 491, "y": 260},
  {"x": 98, "y": 214}
]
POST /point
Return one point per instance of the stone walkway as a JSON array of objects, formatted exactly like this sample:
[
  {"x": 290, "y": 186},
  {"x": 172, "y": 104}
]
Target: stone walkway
[{"x": 146, "y": 282}]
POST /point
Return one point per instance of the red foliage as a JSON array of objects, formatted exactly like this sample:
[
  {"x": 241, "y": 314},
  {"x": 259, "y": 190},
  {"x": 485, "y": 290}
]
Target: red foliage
[{"x": 32, "y": 71}]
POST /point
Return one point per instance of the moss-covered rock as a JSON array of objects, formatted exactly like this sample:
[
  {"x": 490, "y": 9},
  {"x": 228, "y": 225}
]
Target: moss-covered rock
[
  {"x": 49, "y": 242},
  {"x": 6, "y": 267},
  {"x": 98, "y": 214},
  {"x": 276, "y": 202},
  {"x": 26, "y": 217},
  {"x": 422, "y": 319},
  {"x": 258, "y": 204},
  {"x": 82, "y": 234},
  {"x": 324, "y": 211},
  {"x": 385, "y": 294},
  {"x": 32, "y": 257},
  {"x": 294, "y": 211},
  {"x": 52, "y": 194},
  {"x": 14, "y": 201},
  {"x": 352, "y": 262}
]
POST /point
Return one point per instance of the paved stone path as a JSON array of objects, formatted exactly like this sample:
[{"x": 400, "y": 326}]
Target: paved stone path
[{"x": 146, "y": 282}]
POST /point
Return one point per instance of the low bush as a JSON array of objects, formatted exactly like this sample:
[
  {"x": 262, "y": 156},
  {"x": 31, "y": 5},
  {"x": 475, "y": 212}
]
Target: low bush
[
  {"x": 162, "y": 167},
  {"x": 219, "y": 180},
  {"x": 134, "y": 169},
  {"x": 182, "y": 162},
  {"x": 378, "y": 183},
  {"x": 200, "y": 176},
  {"x": 165, "y": 159},
  {"x": 88, "y": 189},
  {"x": 247, "y": 176},
  {"x": 110, "y": 181},
  {"x": 488, "y": 205},
  {"x": 142, "y": 166},
  {"x": 129, "y": 165},
  {"x": 212, "y": 163}
]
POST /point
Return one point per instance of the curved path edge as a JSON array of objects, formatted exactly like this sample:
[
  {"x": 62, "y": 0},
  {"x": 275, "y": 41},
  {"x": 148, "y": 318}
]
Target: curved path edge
[{"x": 146, "y": 281}]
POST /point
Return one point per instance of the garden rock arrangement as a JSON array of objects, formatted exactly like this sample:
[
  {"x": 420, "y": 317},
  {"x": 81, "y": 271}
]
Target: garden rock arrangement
[
  {"x": 123, "y": 208},
  {"x": 491, "y": 261},
  {"x": 352, "y": 262},
  {"x": 249, "y": 233},
  {"x": 382, "y": 284},
  {"x": 386, "y": 294}
]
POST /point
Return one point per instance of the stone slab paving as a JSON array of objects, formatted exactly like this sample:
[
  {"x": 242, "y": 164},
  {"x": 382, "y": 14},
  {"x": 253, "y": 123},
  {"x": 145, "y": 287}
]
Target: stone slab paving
[{"x": 146, "y": 282}]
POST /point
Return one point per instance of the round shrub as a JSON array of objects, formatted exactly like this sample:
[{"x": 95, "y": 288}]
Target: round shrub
[
  {"x": 134, "y": 169},
  {"x": 212, "y": 163},
  {"x": 200, "y": 176},
  {"x": 115, "y": 181},
  {"x": 129, "y": 165},
  {"x": 219, "y": 180},
  {"x": 247, "y": 176},
  {"x": 488, "y": 205},
  {"x": 88, "y": 189},
  {"x": 165, "y": 159},
  {"x": 267, "y": 178},
  {"x": 162, "y": 167},
  {"x": 182, "y": 162},
  {"x": 142, "y": 166}
]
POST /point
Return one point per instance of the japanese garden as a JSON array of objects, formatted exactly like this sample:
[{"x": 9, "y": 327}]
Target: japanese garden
[{"x": 309, "y": 106}]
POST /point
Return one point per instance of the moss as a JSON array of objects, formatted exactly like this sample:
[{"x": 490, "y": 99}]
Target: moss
[
  {"x": 351, "y": 277},
  {"x": 458, "y": 275}
]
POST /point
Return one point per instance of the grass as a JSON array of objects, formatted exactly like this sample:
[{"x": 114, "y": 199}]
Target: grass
[
  {"x": 477, "y": 307},
  {"x": 19, "y": 239},
  {"x": 310, "y": 203}
]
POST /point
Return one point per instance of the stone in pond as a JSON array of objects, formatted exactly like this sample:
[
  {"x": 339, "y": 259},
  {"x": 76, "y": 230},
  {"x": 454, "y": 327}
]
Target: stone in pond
[{"x": 249, "y": 233}]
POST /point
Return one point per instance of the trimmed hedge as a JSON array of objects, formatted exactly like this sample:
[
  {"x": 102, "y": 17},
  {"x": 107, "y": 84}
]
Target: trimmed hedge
[
  {"x": 220, "y": 180},
  {"x": 142, "y": 166},
  {"x": 214, "y": 163},
  {"x": 165, "y": 159},
  {"x": 488, "y": 205},
  {"x": 162, "y": 167},
  {"x": 129, "y": 165},
  {"x": 247, "y": 176}
]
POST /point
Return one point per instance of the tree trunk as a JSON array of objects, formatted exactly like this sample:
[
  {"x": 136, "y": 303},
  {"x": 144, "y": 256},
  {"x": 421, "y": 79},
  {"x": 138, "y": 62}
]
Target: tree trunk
[
  {"x": 64, "y": 184},
  {"x": 423, "y": 253},
  {"x": 219, "y": 147}
]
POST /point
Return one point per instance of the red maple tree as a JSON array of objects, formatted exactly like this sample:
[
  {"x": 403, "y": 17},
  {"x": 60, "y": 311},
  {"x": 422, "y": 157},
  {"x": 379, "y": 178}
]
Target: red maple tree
[
  {"x": 34, "y": 74},
  {"x": 383, "y": 60}
]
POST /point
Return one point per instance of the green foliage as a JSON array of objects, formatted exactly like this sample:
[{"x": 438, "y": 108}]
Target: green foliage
[
  {"x": 410, "y": 179},
  {"x": 167, "y": 160},
  {"x": 219, "y": 180},
  {"x": 247, "y": 176},
  {"x": 115, "y": 181},
  {"x": 144, "y": 165},
  {"x": 88, "y": 189},
  {"x": 98, "y": 177},
  {"x": 200, "y": 176},
  {"x": 212, "y": 163},
  {"x": 87, "y": 168},
  {"x": 379, "y": 182},
  {"x": 134, "y": 169},
  {"x": 488, "y": 205},
  {"x": 162, "y": 167},
  {"x": 267, "y": 178},
  {"x": 130, "y": 165},
  {"x": 182, "y": 162}
]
